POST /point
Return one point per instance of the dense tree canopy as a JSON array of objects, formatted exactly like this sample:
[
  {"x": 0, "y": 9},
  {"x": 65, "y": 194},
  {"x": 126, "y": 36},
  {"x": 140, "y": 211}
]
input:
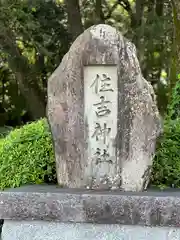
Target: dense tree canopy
[
  {"x": 33, "y": 39},
  {"x": 35, "y": 34}
]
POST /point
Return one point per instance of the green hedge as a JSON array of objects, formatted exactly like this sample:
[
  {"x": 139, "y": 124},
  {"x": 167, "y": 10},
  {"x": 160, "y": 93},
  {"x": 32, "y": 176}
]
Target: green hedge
[
  {"x": 166, "y": 165},
  {"x": 26, "y": 156}
]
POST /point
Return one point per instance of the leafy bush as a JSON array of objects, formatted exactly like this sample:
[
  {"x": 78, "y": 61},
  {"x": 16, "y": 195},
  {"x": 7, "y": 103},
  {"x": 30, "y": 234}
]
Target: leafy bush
[
  {"x": 26, "y": 156},
  {"x": 174, "y": 107},
  {"x": 166, "y": 165}
]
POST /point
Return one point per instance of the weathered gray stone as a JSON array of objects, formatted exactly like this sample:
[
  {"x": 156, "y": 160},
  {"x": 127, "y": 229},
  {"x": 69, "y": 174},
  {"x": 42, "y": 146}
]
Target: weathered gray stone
[
  {"x": 91, "y": 206},
  {"x": 137, "y": 123},
  {"x": 41, "y": 230}
]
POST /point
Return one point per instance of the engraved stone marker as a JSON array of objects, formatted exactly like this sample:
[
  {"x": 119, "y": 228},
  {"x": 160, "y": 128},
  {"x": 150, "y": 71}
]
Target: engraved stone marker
[{"x": 102, "y": 114}]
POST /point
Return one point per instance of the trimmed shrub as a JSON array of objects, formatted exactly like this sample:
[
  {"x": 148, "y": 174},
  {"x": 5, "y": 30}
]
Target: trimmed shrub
[
  {"x": 26, "y": 156},
  {"x": 166, "y": 165}
]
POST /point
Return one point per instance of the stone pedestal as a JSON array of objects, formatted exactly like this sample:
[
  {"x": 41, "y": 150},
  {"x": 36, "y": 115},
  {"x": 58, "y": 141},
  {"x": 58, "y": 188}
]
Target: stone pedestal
[
  {"x": 48, "y": 212},
  {"x": 41, "y": 230}
]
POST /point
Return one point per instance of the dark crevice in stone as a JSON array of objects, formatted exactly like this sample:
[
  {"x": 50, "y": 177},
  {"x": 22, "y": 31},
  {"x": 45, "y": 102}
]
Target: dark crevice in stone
[{"x": 1, "y": 226}]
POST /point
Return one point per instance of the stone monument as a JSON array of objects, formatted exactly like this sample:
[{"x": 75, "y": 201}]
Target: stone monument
[{"x": 103, "y": 114}]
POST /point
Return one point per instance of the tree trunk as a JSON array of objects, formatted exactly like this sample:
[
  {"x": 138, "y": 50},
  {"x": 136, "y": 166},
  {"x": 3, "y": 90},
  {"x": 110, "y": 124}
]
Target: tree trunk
[
  {"x": 74, "y": 18},
  {"x": 28, "y": 85},
  {"x": 35, "y": 105},
  {"x": 137, "y": 22},
  {"x": 99, "y": 12},
  {"x": 159, "y": 62},
  {"x": 151, "y": 5},
  {"x": 159, "y": 7},
  {"x": 139, "y": 11},
  {"x": 175, "y": 62}
]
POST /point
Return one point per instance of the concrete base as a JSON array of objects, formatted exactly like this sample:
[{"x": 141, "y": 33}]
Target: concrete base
[
  {"x": 42, "y": 230},
  {"x": 50, "y": 203}
]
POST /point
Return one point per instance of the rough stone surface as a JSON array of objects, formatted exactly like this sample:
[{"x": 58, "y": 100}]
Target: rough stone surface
[
  {"x": 82, "y": 206},
  {"x": 41, "y": 230},
  {"x": 138, "y": 123}
]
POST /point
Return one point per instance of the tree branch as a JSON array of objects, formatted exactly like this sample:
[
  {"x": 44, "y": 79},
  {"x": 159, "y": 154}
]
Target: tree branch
[
  {"x": 111, "y": 10},
  {"x": 125, "y": 4},
  {"x": 74, "y": 18}
]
